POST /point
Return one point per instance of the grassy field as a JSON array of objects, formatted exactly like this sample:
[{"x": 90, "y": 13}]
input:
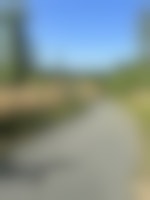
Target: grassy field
[{"x": 139, "y": 103}]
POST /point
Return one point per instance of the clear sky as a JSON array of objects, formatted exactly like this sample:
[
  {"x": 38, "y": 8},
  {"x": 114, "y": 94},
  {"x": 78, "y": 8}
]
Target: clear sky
[{"x": 83, "y": 32}]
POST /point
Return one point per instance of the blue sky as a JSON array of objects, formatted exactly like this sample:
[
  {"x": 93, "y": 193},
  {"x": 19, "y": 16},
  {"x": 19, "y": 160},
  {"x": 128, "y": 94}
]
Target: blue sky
[{"x": 83, "y": 33}]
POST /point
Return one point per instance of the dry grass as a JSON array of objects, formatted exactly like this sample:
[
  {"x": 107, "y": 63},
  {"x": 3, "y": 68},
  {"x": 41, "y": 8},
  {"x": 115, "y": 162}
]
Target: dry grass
[{"x": 142, "y": 189}]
